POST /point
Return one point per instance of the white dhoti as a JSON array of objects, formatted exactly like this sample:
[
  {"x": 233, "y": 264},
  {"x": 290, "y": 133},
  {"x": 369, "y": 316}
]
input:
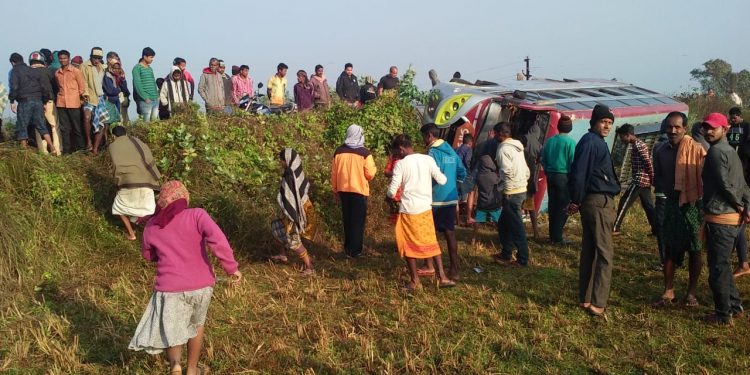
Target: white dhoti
[{"x": 137, "y": 202}]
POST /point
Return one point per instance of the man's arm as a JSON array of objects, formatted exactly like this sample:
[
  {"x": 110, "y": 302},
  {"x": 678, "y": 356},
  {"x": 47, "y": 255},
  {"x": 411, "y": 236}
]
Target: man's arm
[
  {"x": 396, "y": 180},
  {"x": 579, "y": 171},
  {"x": 647, "y": 164},
  {"x": 202, "y": 89},
  {"x": 436, "y": 174}
]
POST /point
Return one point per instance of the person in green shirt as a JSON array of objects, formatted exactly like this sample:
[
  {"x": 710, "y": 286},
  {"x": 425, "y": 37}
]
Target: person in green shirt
[
  {"x": 145, "y": 92},
  {"x": 557, "y": 155}
]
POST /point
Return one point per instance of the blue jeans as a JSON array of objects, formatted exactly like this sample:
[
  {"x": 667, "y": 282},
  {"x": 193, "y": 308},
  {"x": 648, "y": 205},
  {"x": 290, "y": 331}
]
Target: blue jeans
[
  {"x": 30, "y": 112},
  {"x": 511, "y": 230},
  {"x": 148, "y": 111}
]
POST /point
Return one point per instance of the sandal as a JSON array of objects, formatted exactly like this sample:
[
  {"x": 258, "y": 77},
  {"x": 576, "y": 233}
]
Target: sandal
[
  {"x": 691, "y": 301},
  {"x": 664, "y": 301},
  {"x": 595, "y": 314},
  {"x": 425, "y": 273},
  {"x": 447, "y": 284},
  {"x": 279, "y": 258}
]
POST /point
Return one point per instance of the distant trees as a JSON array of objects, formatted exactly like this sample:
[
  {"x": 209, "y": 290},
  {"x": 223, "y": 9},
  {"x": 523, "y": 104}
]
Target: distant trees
[{"x": 717, "y": 75}]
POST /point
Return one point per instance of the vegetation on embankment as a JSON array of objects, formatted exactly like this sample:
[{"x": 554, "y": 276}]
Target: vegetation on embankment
[{"x": 74, "y": 288}]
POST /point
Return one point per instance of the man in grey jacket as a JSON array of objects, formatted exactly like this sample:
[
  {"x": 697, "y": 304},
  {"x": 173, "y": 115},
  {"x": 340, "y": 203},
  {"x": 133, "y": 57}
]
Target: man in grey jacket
[
  {"x": 211, "y": 88},
  {"x": 726, "y": 199}
]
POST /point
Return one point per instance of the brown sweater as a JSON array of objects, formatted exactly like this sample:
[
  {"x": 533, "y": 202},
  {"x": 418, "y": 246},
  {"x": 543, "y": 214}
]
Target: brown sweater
[{"x": 130, "y": 169}]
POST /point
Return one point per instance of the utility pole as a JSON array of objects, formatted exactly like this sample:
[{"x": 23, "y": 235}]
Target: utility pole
[{"x": 527, "y": 73}]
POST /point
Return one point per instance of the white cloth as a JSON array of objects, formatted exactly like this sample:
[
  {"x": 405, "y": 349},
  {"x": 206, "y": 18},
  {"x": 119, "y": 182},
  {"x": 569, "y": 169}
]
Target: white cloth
[
  {"x": 414, "y": 174},
  {"x": 171, "y": 319},
  {"x": 511, "y": 164},
  {"x": 138, "y": 202}
]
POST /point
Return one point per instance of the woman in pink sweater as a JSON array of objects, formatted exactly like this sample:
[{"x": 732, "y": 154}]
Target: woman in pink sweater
[{"x": 176, "y": 238}]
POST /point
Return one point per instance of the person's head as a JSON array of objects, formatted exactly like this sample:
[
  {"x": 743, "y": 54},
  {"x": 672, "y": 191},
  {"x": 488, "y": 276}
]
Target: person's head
[
  {"x": 430, "y": 133},
  {"x": 119, "y": 131},
  {"x": 213, "y": 64},
  {"x": 457, "y": 75},
  {"x": 711, "y": 93},
  {"x": 47, "y": 55},
  {"x": 565, "y": 124},
  {"x": 114, "y": 66},
  {"x": 222, "y": 67},
  {"x": 369, "y": 80},
  {"x": 626, "y": 133},
  {"x": 348, "y": 69},
  {"x": 180, "y": 63},
  {"x": 159, "y": 82},
  {"x": 675, "y": 126},
  {"x": 715, "y": 126},
  {"x": 281, "y": 70},
  {"x": 171, "y": 192},
  {"x": 64, "y": 57},
  {"x": 401, "y": 146},
  {"x": 76, "y": 61},
  {"x": 96, "y": 56},
  {"x": 503, "y": 131},
  {"x": 235, "y": 70},
  {"x": 355, "y": 136},
  {"x": 176, "y": 73},
  {"x": 601, "y": 120},
  {"x": 15, "y": 58},
  {"x": 112, "y": 55},
  {"x": 735, "y": 115},
  {"x": 393, "y": 71},
  {"x": 244, "y": 71},
  {"x": 301, "y": 76},
  {"x": 468, "y": 139},
  {"x": 36, "y": 58},
  {"x": 147, "y": 55},
  {"x": 319, "y": 70}
]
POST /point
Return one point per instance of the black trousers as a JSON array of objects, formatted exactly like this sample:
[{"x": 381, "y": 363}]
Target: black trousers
[
  {"x": 72, "y": 138},
  {"x": 559, "y": 199},
  {"x": 661, "y": 202},
  {"x": 354, "y": 213},
  {"x": 628, "y": 198},
  {"x": 720, "y": 240}
]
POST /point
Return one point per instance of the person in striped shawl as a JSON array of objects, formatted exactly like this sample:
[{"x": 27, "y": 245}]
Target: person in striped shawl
[{"x": 297, "y": 215}]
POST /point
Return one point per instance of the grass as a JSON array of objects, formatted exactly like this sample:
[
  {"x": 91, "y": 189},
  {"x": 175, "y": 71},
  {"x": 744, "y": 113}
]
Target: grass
[{"x": 74, "y": 290}]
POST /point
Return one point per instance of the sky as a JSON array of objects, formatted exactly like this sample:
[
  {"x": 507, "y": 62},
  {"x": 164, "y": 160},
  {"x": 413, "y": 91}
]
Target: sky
[{"x": 651, "y": 43}]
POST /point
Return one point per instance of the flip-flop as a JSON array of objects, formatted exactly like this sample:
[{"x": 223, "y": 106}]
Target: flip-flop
[
  {"x": 279, "y": 258},
  {"x": 425, "y": 273},
  {"x": 691, "y": 301},
  {"x": 447, "y": 284},
  {"x": 663, "y": 302},
  {"x": 595, "y": 314}
]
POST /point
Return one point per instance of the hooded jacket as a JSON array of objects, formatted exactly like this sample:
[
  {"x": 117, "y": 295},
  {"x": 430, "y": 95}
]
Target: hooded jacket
[
  {"x": 174, "y": 91},
  {"x": 211, "y": 89},
  {"x": 452, "y": 167},
  {"x": 511, "y": 164}
]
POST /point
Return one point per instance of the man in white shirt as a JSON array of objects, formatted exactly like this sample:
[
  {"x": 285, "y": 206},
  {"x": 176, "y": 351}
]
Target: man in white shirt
[{"x": 415, "y": 230}]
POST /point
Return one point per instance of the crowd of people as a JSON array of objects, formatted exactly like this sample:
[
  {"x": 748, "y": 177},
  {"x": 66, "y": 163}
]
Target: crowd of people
[
  {"x": 699, "y": 176},
  {"x": 68, "y": 104}
]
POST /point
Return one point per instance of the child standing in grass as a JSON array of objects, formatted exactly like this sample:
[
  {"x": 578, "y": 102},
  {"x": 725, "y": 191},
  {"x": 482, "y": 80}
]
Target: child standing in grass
[
  {"x": 394, "y": 155},
  {"x": 176, "y": 239},
  {"x": 489, "y": 198},
  {"x": 297, "y": 214}
]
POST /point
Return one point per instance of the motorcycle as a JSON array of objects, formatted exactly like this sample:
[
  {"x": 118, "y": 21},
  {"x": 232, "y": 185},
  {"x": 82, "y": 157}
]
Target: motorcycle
[{"x": 253, "y": 104}]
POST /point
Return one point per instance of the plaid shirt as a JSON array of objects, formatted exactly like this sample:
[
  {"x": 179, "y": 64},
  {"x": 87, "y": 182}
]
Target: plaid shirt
[{"x": 642, "y": 169}]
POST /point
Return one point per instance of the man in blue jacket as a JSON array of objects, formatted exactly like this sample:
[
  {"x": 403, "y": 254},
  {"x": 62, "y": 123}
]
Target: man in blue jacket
[
  {"x": 444, "y": 197},
  {"x": 593, "y": 185}
]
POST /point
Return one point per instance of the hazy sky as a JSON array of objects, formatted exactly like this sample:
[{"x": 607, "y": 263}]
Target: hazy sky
[{"x": 652, "y": 43}]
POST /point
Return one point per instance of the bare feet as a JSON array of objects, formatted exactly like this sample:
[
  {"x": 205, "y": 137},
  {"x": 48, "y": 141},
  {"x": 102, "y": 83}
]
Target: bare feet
[
  {"x": 131, "y": 236},
  {"x": 597, "y": 311},
  {"x": 742, "y": 271},
  {"x": 584, "y": 305}
]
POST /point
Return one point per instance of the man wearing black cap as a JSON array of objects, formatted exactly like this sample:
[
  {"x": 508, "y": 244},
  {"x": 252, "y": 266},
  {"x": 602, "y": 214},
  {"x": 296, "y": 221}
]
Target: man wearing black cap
[
  {"x": 557, "y": 156},
  {"x": 145, "y": 92},
  {"x": 593, "y": 185},
  {"x": 726, "y": 199},
  {"x": 641, "y": 178}
]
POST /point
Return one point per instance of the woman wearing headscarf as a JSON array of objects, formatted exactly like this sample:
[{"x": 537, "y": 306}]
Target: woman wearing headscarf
[
  {"x": 296, "y": 212},
  {"x": 353, "y": 168},
  {"x": 176, "y": 238}
]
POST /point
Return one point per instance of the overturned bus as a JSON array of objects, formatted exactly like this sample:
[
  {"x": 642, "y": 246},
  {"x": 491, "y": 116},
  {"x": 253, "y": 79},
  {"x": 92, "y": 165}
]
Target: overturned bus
[{"x": 459, "y": 108}]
